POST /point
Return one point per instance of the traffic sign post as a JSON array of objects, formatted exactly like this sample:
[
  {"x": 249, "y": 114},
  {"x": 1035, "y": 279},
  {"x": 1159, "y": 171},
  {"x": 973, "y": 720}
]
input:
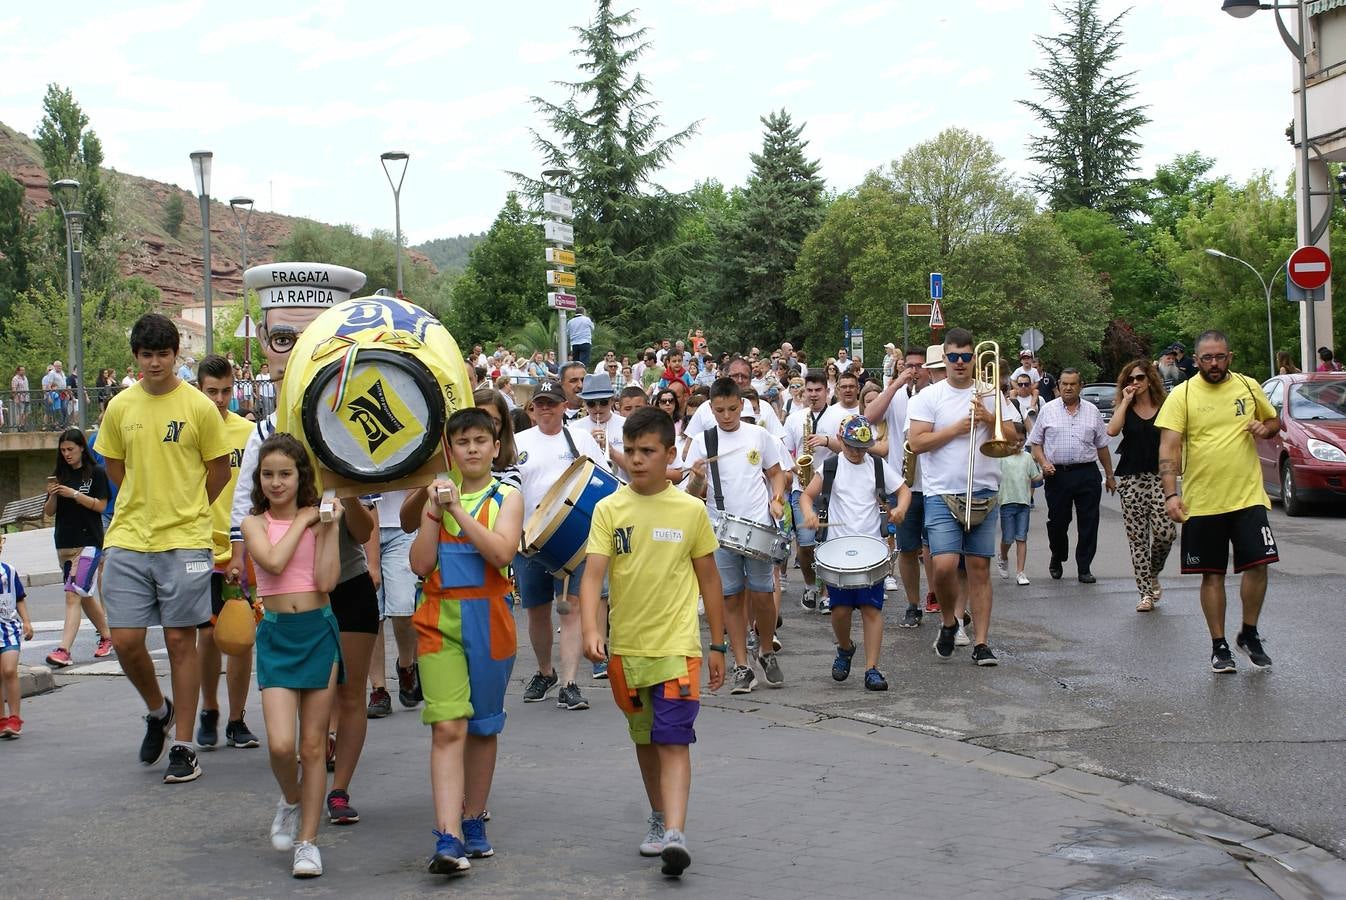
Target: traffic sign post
[
  {"x": 936, "y": 316},
  {"x": 563, "y": 234},
  {"x": 1309, "y": 268}
]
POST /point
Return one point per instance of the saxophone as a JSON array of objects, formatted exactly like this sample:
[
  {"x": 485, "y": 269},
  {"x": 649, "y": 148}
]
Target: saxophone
[
  {"x": 908, "y": 464},
  {"x": 804, "y": 462}
]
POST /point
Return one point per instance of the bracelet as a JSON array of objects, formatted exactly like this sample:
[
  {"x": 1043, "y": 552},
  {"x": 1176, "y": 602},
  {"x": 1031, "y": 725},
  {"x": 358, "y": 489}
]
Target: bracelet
[
  {"x": 439, "y": 519},
  {"x": 719, "y": 648},
  {"x": 1168, "y": 497}
]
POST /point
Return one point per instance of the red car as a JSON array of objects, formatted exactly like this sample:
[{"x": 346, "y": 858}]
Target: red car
[{"x": 1306, "y": 462}]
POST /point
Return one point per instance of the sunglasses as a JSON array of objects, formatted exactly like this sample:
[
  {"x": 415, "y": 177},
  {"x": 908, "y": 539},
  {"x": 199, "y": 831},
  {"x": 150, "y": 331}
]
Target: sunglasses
[
  {"x": 1024, "y": 383},
  {"x": 668, "y": 400},
  {"x": 597, "y": 402},
  {"x": 1138, "y": 378},
  {"x": 958, "y": 357}
]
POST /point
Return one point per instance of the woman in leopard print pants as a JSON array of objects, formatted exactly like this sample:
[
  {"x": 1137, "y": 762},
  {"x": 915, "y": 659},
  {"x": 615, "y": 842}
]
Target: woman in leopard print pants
[{"x": 1149, "y": 531}]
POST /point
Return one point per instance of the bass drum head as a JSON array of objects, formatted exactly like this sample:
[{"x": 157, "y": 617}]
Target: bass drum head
[
  {"x": 389, "y": 423},
  {"x": 851, "y": 554}
]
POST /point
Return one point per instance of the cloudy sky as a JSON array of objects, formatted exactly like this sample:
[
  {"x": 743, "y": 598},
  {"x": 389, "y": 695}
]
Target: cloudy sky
[{"x": 297, "y": 100}]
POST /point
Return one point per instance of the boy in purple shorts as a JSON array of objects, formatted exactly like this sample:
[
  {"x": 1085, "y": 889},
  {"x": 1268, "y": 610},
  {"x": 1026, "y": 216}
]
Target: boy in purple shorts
[
  {"x": 854, "y": 487},
  {"x": 659, "y": 545}
]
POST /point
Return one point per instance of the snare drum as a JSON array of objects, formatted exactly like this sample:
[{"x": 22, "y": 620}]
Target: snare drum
[
  {"x": 752, "y": 539},
  {"x": 851, "y": 562},
  {"x": 558, "y": 530}
]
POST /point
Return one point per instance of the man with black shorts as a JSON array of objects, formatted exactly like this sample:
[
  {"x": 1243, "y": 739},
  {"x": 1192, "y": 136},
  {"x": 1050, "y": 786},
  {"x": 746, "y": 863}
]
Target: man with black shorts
[
  {"x": 166, "y": 450},
  {"x": 1213, "y": 421}
]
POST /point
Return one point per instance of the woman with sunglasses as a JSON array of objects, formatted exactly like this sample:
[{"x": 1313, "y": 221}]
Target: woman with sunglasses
[
  {"x": 1140, "y": 393},
  {"x": 666, "y": 399}
]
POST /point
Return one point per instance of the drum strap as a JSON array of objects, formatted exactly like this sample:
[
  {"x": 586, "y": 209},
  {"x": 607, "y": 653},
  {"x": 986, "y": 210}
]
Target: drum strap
[
  {"x": 713, "y": 450},
  {"x": 570, "y": 442},
  {"x": 830, "y": 475}
]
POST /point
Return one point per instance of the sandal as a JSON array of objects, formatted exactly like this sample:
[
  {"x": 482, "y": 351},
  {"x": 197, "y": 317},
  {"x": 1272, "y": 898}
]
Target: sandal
[{"x": 1145, "y": 605}]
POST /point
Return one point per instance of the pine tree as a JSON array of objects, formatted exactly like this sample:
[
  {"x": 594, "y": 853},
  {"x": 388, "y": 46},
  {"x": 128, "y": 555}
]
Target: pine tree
[
  {"x": 173, "y": 214},
  {"x": 1088, "y": 148},
  {"x": 781, "y": 204},
  {"x": 606, "y": 136}
]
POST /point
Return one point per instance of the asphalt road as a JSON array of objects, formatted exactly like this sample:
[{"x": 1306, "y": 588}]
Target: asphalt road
[{"x": 1086, "y": 681}]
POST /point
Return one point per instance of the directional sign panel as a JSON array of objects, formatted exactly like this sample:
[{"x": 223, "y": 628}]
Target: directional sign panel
[
  {"x": 1309, "y": 267},
  {"x": 558, "y": 205},
  {"x": 559, "y": 232},
  {"x": 562, "y": 301},
  {"x": 560, "y": 257},
  {"x": 936, "y": 286},
  {"x": 560, "y": 279},
  {"x": 918, "y": 309}
]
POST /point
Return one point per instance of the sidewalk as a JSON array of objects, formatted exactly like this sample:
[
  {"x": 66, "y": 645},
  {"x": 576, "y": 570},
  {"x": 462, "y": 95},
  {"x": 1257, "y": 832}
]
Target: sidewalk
[
  {"x": 786, "y": 803},
  {"x": 33, "y": 553}
]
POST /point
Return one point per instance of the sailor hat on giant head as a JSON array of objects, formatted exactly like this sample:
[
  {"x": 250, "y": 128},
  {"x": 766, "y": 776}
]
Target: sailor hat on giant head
[{"x": 303, "y": 284}]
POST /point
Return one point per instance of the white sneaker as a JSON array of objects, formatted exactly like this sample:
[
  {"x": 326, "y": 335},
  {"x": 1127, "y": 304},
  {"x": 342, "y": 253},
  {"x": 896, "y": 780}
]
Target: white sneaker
[
  {"x": 960, "y": 639},
  {"x": 890, "y": 583},
  {"x": 1021, "y": 578},
  {"x": 285, "y": 825},
  {"x": 307, "y": 860},
  {"x": 1002, "y": 566}
]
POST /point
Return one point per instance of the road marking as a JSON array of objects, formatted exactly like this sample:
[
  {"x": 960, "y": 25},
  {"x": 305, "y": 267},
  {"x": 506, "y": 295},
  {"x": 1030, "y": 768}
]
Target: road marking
[{"x": 58, "y": 624}]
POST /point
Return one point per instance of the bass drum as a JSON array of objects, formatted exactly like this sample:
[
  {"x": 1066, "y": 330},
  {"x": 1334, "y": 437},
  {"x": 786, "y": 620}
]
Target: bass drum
[{"x": 387, "y": 423}]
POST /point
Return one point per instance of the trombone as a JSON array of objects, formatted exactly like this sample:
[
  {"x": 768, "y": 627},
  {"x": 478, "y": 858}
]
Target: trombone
[{"x": 985, "y": 383}]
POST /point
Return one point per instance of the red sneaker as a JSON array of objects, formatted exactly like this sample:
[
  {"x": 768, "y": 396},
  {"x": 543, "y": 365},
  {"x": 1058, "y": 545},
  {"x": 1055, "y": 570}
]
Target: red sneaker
[
  {"x": 104, "y": 649},
  {"x": 60, "y": 658},
  {"x": 7, "y": 726},
  {"x": 15, "y": 727},
  {"x": 931, "y": 604}
]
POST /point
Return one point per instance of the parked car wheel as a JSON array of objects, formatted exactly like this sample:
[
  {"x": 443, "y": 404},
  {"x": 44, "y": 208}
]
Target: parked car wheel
[{"x": 1289, "y": 493}]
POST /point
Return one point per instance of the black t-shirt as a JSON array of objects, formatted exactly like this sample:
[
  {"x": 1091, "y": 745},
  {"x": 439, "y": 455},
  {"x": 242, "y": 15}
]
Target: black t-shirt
[
  {"x": 1046, "y": 388},
  {"x": 1139, "y": 450},
  {"x": 76, "y": 525}
]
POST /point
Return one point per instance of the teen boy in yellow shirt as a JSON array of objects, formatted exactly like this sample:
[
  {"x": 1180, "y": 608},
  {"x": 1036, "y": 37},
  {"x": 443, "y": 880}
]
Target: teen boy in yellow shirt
[{"x": 659, "y": 545}]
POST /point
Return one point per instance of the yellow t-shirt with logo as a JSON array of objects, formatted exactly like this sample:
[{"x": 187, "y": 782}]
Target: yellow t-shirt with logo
[
  {"x": 650, "y": 543},
  {"x": 165, "y": 441},
  {"x": 237, "y": 430},
  {"x": 1221, "y": 472}
]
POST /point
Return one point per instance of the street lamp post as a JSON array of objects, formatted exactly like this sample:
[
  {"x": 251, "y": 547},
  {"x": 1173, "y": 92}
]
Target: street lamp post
[
  {"x": 1266, "y": 289},
  {"x": 562, "y": 343},
  {"x": 235, "y": 203},
  {"x": 396, "y": 156},
  {"x": 1310, "y": 232},
  {"x": 66, "y": 192},
  {"x": 201, "y": 160}
]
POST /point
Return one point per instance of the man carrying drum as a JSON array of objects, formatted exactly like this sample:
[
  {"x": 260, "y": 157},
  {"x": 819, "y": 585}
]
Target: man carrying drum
[
  {"x": 857, "y": 481},
  {"x": 731, "y": 465},
  {"x": 545, "y": 452}
]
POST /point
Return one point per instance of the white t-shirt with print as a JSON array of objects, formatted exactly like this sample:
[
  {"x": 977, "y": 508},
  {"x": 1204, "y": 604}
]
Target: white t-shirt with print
[
  {"x": 854, "y": 508},
  {"x": 944, "y": 470},
  {"x": 744, "y": 454},
  {"x": 543, "y": 459}
]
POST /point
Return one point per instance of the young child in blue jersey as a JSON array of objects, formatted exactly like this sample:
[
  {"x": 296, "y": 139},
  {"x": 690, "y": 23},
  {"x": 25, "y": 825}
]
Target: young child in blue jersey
[{"x": 15, "y": 628}]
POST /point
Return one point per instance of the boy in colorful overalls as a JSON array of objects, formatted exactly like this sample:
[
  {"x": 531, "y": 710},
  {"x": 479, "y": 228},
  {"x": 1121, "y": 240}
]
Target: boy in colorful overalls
[{"x": 465, "y": 634}]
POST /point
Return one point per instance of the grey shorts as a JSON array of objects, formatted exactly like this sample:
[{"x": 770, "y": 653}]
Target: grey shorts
[{"x": 170, "y": 588}]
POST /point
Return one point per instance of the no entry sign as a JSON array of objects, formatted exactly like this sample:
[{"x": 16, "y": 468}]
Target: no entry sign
[{"x": 1309, "y": 268}]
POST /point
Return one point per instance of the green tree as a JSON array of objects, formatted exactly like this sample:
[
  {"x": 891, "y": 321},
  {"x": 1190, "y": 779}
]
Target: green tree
[
  {"x": 71, "y": 150},
  {"x": 17, "y": 239},
  {"x": 958, "y": 177},
  {"x": 606, "y": 136},
  {"x": 504, "y": 285},
  {"x": 782, "y": 203},
  {"x": 37, "y": 329},
  {"x": 173, "y": 214},
  {"x": 541, "y": 334},
  {"x": 869, "y": 256},
  {"x": 376, "y": 256},
  {"x": 1181, "y": 187},
  {"x": 1088, "y": 147},
  {"x": 999, "y": 285}
]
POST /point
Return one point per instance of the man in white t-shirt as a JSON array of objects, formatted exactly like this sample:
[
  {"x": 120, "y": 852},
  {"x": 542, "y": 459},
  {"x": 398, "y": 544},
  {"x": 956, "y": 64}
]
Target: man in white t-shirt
[
  {"x": 852, "y": 498},
  {"x": 731, "y": 465},
  {"x": 890, "y": 407},
  {"x": 544, "y": 453},
  {"x": 807, "y": 418},
  {"x": 941, "y": 432}
]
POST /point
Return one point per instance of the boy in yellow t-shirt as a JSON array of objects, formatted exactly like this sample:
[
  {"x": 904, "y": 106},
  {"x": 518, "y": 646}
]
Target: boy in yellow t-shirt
[
  {"x": 166, "y": 450},
  {"x": 659, "y": 545}
]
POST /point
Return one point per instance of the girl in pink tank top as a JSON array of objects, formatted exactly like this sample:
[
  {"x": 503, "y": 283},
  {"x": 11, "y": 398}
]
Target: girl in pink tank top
[{"x": 298, "y": 644}]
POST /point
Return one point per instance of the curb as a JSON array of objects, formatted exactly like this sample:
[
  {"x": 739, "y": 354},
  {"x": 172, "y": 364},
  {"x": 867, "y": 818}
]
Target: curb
[
  {"x": 34, "y": 680},
  {"x": 1290, "y": 867},
  {"x": 42, "y": 579}
]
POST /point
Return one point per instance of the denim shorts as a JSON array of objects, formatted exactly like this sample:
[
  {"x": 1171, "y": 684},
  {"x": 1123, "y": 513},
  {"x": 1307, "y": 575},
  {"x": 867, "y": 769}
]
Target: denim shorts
[
  {"x": 805, "y": 537},
  {"x": 911, "y": 533},
  {"x": 947, "y": 534},
  {"x": 537, "y": 585},
  {"x": 737, "y": 569},
  {"x": 1013, "y": 522},
  {"x": 397, "y": 586}
]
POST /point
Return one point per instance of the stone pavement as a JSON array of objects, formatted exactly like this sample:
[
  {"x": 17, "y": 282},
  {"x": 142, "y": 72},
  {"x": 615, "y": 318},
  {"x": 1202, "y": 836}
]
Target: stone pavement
[{"x": 785, "y": 803}]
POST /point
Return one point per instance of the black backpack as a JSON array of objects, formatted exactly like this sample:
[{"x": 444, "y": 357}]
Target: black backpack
[{"x": 830, "y": 475}]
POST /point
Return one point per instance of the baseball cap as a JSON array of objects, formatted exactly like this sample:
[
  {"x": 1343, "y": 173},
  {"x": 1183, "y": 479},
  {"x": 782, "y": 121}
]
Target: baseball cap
[
  {"x": 550, "y": 390},
  {"x": 1025, "y": 352},
  {"x": 857, "y": 432},
  {"x": 890, "y": 346}
]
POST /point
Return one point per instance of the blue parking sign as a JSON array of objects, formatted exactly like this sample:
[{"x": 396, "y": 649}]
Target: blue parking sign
[{"x": 936, "y": 286}]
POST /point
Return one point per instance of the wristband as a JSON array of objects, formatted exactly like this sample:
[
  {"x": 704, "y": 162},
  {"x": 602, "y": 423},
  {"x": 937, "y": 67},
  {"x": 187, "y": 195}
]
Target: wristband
[
  {"x": 1168, "y": 497},
  {"x": 439, "y": 519},
  {"x": 719, "y": 648}
]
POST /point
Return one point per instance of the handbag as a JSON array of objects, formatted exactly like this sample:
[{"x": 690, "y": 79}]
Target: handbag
[{"x": 981, "y": 508}]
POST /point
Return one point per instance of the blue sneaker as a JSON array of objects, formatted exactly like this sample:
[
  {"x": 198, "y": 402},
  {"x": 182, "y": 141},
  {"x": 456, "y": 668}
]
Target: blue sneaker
[
  {"x": 450, "y": 856},
  {"x": 841, "y": 666},
  {"x": 474, "y": 838},
  {"x": 600, "y": 670},
  {"x": 874, "y": 680}
]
